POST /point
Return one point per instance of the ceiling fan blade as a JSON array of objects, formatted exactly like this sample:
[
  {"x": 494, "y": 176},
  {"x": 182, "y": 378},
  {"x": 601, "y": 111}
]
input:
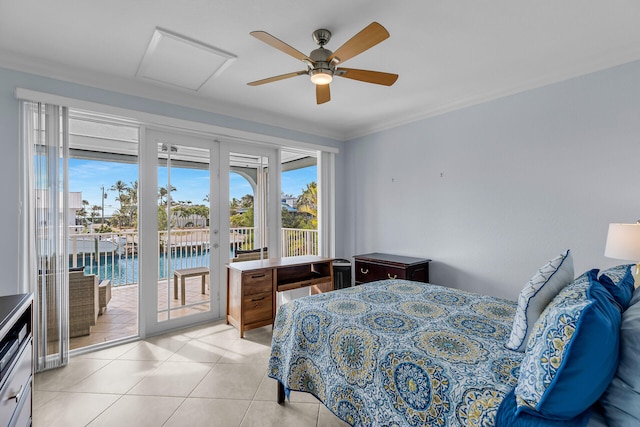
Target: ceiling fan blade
[
  {"x": 323, "y": 94},
  {"x": 370, "y": 36},
  {"x": 377, "y": 77},
  {"x": 276, "y": 78},
  {"x": 280, "y": 45}
]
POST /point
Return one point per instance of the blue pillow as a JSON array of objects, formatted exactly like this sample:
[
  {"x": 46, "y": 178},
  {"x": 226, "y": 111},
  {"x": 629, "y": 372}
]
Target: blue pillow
[
  {"x": 572, "y": 354},
  {"x": 619, "y": 282},
  {"x": 536, "y": 294},
  {"x": 506, "y": 416},
  {"x": 621, "y": 400}
]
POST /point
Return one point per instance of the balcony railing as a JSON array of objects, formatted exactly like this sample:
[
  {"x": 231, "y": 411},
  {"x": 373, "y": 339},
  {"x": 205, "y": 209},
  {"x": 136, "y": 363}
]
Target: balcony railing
[{"x": 114, "y": 255}]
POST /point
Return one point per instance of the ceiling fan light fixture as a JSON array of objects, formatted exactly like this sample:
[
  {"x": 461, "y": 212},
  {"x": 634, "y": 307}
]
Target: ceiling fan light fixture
[{"x": 321, "y": 76}]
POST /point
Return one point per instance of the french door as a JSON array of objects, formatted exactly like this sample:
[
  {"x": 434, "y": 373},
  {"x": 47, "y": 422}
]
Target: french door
[
  {"x": 251, "y": 184},
  {"x": 180, "y": 255}
]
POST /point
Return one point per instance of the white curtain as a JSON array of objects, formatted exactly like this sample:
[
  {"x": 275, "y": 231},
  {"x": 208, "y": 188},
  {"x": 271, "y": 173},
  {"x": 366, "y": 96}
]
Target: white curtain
[{"x": 44, "y": 268}]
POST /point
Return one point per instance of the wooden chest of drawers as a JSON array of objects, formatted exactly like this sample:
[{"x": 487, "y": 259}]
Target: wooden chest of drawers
[{"x": 378, "y": 266}]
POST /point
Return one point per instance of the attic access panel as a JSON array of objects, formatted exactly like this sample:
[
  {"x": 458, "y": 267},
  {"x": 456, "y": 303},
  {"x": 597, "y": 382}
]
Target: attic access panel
[{"x": 176, "y": 60}]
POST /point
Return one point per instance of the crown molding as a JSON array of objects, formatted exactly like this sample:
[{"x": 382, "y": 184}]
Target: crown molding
[
  {"x": 135, "y": 87},
  {"x": 145, "y": 90},
  {"x": 614, "y": 59}
]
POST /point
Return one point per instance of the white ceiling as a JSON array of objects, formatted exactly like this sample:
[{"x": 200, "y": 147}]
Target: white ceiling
[{"x": 449, "y": 54}]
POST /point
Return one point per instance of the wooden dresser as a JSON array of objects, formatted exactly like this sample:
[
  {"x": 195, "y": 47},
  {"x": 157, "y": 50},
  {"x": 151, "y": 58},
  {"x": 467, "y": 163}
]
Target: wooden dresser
[
  {"x": 16, "y": 360},
  {"x": 377, "y": 266},
  {"x": 252, "y": 286}
]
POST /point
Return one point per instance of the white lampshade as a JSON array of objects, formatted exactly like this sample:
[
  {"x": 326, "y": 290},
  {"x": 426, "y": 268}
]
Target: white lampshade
[{"x": 623, "y": 242}]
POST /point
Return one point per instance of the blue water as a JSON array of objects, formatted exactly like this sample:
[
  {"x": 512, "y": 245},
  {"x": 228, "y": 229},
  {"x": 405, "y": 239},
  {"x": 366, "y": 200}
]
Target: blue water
[{"x": 124, "y": 270}]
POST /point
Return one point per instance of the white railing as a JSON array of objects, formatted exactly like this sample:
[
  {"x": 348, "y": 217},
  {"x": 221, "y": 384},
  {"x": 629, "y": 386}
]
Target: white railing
[
  {"x": 296, "y": 241},
  {"x": 114, "y": 255},
  {"x": 109, "y": 255},
  {"x": 241, "y": 239}
]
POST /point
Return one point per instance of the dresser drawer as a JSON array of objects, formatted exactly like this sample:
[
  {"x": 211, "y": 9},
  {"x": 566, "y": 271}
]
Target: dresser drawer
[
  {"x": 369, "y": 272},
  {"x": 18, "y": 385},
  {"x": 258, "y": 281},
  {"x": 258, "y": 307},
  {"x": 22, "y": 417}
]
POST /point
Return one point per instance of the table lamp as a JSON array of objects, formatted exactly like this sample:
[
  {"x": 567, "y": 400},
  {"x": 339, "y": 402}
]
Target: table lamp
[{"x": 623, "y": 242}]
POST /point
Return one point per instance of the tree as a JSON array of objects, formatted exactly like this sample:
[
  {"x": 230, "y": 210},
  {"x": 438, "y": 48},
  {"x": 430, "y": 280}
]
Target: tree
[
  {"x": 244, "y": 219},
  {"x": 308, "y": 203},
  {"x": 246, "y": 201},
  {"x": 95, "y": 211},
  {"x": 82, "y": 213},
  {"x": 163, "y": 193},
  {"x": 162, "y": 218}
]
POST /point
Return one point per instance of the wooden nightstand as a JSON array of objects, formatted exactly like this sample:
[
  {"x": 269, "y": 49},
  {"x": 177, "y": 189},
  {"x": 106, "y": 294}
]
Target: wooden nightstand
[{"x": 377, "y": 266}]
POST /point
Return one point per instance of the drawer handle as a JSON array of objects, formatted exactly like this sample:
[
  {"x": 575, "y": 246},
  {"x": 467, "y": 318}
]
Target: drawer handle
[
  {"x": 363, "y": 271},
  {"x": 17, "y": 395},
  {"x": 257, "y": 276},
  {"x": 258, "y": 299},
  {"x": 389, "y": 276}
]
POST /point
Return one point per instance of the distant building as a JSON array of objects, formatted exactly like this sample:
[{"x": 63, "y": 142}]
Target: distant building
[
  {"x": 75, "y": 204},
  {"x": 290, "y": 201}
]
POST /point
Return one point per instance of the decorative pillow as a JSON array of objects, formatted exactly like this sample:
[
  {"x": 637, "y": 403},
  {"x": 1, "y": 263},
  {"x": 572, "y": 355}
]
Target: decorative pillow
[
  {"x": 619, "y": 282},
  {"x": 536, "y": 294},
  {"x": 506, "y": 416},
  {"x": 621, "y": 400},
  {"x": 572, "y": 353}
]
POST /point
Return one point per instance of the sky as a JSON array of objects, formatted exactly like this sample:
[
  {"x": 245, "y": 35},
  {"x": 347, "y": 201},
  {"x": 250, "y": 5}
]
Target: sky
[{"x": 87, "y": 176}]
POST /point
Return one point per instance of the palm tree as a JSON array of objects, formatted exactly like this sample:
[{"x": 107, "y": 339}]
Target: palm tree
[
  {"x": 95, "y": 211},
  {"x": 119, "y": 186},
  {"x": 308, "y": 203},
  {"x": 82, "y": 213},
  {"x": 163, "y": 192}
]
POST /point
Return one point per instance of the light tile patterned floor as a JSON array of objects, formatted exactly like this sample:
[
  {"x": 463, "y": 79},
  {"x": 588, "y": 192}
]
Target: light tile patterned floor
[{"x": 202, "y": 376}]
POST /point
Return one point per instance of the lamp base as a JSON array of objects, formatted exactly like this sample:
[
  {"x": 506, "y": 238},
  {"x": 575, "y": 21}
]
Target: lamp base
[{"x": 636, "y": 276}]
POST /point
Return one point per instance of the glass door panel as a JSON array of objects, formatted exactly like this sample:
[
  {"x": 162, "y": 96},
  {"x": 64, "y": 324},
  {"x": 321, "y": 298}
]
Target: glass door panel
[
  {"x": 184, "y": 244},
  {"x": 299, "y": 203},
  {"x": 249, "y": 207}
]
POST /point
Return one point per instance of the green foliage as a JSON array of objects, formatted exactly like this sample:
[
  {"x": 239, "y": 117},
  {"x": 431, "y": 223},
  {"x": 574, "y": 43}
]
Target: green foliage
[
  {"x": 162, "y": 218},
  {"x": 105, "y": 229},
  {"x": 243, "y": 219}
]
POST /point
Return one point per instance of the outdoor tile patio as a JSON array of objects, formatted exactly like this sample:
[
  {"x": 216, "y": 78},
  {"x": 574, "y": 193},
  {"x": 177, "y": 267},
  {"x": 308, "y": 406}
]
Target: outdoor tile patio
[{"x": 120, "y": 320}]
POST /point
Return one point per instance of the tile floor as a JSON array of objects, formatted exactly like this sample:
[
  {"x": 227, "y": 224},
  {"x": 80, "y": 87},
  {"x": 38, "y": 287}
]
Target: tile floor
[{"x": 201, "y": 376}]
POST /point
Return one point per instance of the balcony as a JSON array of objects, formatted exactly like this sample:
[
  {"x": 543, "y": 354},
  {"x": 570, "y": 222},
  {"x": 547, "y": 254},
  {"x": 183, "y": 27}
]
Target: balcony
[{"x": 114, "y": 256}]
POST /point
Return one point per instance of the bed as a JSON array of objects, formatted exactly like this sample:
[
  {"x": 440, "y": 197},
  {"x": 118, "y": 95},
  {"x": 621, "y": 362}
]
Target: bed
[
  {"x": 404, "y": 353},
  {"x": 398, "y": 352}
]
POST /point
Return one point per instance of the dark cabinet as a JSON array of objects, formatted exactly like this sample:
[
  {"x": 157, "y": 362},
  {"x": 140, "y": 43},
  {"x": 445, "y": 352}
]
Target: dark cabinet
[{"x": 378, "y": 266}]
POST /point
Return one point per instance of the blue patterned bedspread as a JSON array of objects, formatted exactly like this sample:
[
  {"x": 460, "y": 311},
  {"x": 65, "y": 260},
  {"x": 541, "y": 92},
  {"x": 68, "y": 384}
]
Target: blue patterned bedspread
[{"x": 398, "y": 353}]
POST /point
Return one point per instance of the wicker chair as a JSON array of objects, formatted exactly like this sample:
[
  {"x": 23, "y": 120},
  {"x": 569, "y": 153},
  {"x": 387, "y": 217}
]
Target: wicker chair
[{"x": 83, "y": 305}]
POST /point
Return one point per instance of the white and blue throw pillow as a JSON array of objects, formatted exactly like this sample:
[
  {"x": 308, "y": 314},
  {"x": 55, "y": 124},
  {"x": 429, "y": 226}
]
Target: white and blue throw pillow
[
  {"x": 572, "y": 354},
  {"x": 550, "y": 279}
]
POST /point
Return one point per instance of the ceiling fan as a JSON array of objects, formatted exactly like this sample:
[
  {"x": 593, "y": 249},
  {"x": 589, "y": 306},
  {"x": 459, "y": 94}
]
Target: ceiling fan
[{"x": 322, "y": 63}]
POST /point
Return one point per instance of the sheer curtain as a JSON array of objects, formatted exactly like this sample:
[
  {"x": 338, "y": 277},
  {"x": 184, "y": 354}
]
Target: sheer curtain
[{"x": 44, "y": 268}]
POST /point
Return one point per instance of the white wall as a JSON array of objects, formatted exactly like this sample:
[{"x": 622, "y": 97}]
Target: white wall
[
  {"x": 492, "y": 192},
  {"x": 9, "y": 141}
]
